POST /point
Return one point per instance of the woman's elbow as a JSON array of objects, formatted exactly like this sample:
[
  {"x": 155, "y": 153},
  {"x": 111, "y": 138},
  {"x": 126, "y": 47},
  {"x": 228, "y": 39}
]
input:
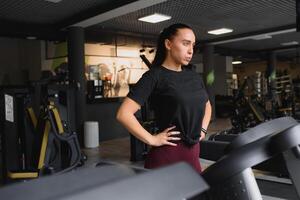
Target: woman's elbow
[
  {"x": 126, "y": 110},
  {"x": 119, "y": 115},
  {"x": 122, "y": 115},
  {"x": 208, "y": 105}
]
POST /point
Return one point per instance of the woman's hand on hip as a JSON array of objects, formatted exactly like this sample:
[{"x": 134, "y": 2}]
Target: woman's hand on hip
[{"x": 165, "y": 137}]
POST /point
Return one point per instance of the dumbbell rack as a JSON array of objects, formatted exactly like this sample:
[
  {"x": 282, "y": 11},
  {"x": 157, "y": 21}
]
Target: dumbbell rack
[{"x": 283, "y": 81}]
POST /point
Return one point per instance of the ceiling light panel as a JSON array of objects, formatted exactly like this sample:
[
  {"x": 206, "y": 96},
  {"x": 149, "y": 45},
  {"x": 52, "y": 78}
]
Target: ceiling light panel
[
  {"x": 289, "y": 43},
  {"x": 155, "y": 18},
  {"x": 220, "y": 31},
  {"x": 261, "y": 37},
  {"x": 236, "y": 62}
]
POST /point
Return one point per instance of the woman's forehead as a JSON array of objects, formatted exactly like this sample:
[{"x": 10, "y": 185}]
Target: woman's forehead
[{"x": 185, "y": 34}]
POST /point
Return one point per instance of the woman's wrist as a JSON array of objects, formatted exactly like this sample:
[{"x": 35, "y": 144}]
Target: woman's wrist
[
  {"x": 149, "y": 140},
  {"x": 204, "y": 130}
]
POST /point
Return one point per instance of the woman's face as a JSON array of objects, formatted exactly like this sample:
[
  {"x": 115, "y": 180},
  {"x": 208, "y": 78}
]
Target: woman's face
[{"x": 180, "y": 46}]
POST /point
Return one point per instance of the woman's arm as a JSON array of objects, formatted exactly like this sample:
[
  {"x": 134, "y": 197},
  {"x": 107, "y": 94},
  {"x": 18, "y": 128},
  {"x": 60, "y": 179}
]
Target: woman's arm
[
  {"x": 126, "y": 117},
  {"x": 206, "y": 119}
]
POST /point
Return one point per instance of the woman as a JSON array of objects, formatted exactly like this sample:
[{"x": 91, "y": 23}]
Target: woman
[{"x": 178, "y": 98}]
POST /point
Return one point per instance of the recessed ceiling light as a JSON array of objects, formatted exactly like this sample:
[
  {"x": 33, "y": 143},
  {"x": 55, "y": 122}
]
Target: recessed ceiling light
[
  {"x": 54, "y": 1},
  {"x": 31, "y": 38},
  {"x": 155, "y": 18},
  {"x": 261, "y": 37},
  {"x": 220, "y": 31},
  {"x": 236, "y": 62},
  {"x": 289, "y": 43}
]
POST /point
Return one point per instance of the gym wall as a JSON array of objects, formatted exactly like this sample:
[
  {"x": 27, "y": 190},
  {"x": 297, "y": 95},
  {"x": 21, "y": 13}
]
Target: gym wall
[
  {"x": 105, "y": 114},
  {"x": 20, "y": 60}
]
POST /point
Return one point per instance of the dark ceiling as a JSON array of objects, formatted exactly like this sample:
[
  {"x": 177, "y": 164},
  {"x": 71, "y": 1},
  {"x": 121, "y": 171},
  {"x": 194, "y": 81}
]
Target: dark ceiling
[
  {"x": 247, "y": 18},
  {"x": 45, "y": 19}
]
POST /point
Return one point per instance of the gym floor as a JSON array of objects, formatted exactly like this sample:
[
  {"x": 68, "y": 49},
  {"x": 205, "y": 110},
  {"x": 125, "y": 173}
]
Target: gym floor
[{"x": 118, "y": 150}]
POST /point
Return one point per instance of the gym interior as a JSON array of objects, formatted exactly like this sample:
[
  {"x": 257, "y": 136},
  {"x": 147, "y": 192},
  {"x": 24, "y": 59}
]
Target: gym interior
[{"x": 67, "y": 65}]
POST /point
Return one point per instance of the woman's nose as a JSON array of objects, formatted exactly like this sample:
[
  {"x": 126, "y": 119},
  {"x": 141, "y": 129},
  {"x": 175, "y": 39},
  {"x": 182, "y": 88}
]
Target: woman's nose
[{"x": 190, "y": 50}]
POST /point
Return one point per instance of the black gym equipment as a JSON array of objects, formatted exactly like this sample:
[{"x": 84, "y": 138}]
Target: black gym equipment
[
  {"x": 175, "y": 182},
  {"x": 231, "y": 176},
  {"x": 16, "y": 135},
  {"x": 146, "y": 61},
  {"x": 214, "y": 148},
  {"x": 247, "y": 112},
  {"x": 35, "y": 146},
  {"x": 296, "y": 85}
]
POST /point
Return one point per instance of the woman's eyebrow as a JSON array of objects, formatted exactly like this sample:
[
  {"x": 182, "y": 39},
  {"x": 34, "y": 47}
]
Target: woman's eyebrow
[{"x": 189, "y": 41}]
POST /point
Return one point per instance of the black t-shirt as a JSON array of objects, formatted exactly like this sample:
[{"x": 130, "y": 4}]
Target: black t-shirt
[{"x": 177, "y": 98}]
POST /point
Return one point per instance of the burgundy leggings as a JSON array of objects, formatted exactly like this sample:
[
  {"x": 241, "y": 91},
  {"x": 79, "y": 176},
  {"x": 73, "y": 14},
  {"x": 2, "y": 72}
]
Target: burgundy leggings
[{"x": 165, "y": 155}]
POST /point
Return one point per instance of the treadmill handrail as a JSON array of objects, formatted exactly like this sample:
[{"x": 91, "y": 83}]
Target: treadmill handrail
[
  {"x": 262, "y": 130},
  {"x": 286, "y": 140},
  {"x": 238, "y": 160},
  {"x": 253, "y": 153},
  {"x": 176, "y": 182}
]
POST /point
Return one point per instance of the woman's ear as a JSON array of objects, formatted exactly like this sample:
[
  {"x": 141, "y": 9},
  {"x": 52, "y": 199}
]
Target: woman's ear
[{"x": 167, "y": 44}]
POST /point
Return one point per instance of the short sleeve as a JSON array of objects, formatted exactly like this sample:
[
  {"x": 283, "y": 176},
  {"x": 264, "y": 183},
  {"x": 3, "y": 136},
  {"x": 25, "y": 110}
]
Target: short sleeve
[
  {"x": 141, "y": 91},
  {"x": 206, "y": 97}
]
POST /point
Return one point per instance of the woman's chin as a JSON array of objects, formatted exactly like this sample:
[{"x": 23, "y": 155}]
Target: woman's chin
[{"x": 185, "y": 63}]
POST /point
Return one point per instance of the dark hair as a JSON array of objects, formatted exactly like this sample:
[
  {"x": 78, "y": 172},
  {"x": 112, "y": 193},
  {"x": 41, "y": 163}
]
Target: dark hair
[{"x": 161, "y": 50}]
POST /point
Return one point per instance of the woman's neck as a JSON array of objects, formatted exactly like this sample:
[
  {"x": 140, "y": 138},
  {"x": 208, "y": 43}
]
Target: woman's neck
[{"x": 170, "y": 64}]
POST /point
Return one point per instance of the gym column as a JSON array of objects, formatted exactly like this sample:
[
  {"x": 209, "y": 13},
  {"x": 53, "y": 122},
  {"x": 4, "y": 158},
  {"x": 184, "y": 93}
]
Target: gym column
[
  {"x": 209, "y": 74},
  {"x": 271, "y": 76},
  {"x": 76, "y": 73}
]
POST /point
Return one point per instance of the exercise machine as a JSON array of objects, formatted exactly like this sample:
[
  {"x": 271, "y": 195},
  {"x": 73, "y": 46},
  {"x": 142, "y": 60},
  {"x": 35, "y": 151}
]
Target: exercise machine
[
  {"x": 113, "y": 181},
  {"x": 247, "y": 112},
  {"x": 34, "y": 146},
  {"x": 231, "y": 175},
  {"x": 16, "y": 131}
]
